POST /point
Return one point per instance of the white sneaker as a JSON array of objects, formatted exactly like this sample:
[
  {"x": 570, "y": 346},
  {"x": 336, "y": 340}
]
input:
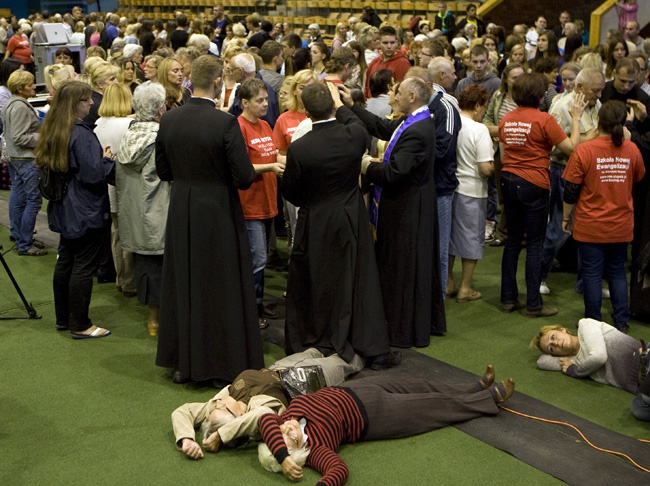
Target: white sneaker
[
  {"x": 490, "y": 230},
  {"x": 606, "y": 294},
  {"x": 543, "y": 288}
]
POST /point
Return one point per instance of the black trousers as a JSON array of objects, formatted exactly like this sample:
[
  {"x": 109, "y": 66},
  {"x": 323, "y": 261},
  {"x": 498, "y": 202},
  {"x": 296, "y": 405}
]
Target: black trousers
[
  {"x": 73, "y": 278},
  {"x": 403, "y": 406}
]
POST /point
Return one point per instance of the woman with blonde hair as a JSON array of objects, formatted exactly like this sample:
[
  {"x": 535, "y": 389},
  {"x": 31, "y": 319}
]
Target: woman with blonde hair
[
  {"x": 186, "y": 56},
  {"x": 592, "y": 60},
  {"x": 21, "y": 132},
  {"x": 69, "y": 146},
  {"x": 340, "y": 35},
  {"x": 599, "y": 352},
  {"x": 115, "y": 119},
  {"x": 151, "y": 67},
  {"x": 170, "y": 76},
  {"x": 286, "y": 125},
  {"x": 229, "y": 85},
  {"x": 57, "y": 74},
  {"x": 102, "y": 75},
  {"x": 369, "y": 37},
  {"x": 96, "y": 35}
]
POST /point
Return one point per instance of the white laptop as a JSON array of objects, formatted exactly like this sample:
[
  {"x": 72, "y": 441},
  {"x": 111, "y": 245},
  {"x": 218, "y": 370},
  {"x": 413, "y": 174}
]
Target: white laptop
[{"x": 55, "y": 34}]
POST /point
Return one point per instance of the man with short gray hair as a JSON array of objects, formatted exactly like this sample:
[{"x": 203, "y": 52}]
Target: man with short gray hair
[
  {"x": 404, "y": 212},
  {"x": 242, "y": 67},
  {"x": 589, "y": 83}
]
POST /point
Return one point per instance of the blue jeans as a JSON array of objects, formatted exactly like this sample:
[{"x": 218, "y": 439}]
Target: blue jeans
[
  {"x": 526, "y": 207},
  {"x": 25, "y": 201},
  {"x": 492, "y": 199},
  {"x": 257, "y": 230},
  {"x": 641, "y": 404},
  {"x": 607, "y": 260},
  {"x": 641, "y": 407},
  {"x": 555, "y": 237},
  {"x": 444, "y": 234}
]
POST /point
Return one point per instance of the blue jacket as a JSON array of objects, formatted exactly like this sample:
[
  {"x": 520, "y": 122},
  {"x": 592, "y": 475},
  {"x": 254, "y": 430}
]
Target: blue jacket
[
  {"x": 85, "y": 205},
  {"x": 448, "y": 124}
]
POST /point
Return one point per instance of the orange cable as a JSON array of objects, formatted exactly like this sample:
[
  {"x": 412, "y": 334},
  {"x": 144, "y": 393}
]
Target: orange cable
[{"x": 581, "y": 435}]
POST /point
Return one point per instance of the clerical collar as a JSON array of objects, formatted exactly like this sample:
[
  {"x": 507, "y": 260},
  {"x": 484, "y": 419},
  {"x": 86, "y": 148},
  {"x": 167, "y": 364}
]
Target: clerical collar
[
  {"x": 323, "y": 121},
  {"x": 422, "y": 108}
]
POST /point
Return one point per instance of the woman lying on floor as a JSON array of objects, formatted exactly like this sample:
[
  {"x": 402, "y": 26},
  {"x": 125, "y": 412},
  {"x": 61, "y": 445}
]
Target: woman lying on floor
[
  {"x": 233, "y": 413},
  {"x": 381, "y": 407},
  {"x": 600, "y": 352}
]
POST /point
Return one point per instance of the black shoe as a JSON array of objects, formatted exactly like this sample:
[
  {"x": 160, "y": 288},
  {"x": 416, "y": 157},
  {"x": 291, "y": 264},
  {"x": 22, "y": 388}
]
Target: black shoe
[
  {"x": 266, "y": 313},
  {"x": 385, "y": 361},
  {"x": 264, "y": 323},
  {"x": 38, "y": 244},
  {"x": 103, "y": 278},
  {"x": 178, "y": 379}
]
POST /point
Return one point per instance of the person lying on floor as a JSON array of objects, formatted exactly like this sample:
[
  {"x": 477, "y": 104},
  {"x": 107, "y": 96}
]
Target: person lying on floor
[
  {"x": 232, "y": 415},
  {"x": 311, "y": 430},
  {"x": 600, "y": 352}
]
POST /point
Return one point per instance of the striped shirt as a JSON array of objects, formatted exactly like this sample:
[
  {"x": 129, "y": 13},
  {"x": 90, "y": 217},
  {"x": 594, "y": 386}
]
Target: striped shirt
[{"x": 334, "y": 416}]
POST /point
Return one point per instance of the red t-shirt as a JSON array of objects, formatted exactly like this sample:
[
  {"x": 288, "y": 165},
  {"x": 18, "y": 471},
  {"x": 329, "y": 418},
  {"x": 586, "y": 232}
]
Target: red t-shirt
[
  {"x": 398, "y": 65},
  {"x": 260, "y": 200},
  {"x": 604, "y": 212},
  {"x": 529, "y": 135},
  {"x": 19, "y": 48},
  {"x": 285, "y": 125}
]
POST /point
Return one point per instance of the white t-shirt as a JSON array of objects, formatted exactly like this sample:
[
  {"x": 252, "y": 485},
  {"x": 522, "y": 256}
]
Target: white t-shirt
[{"x": 474, "y": 146}]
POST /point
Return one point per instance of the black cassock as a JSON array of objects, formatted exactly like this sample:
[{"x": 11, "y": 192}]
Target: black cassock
[
  {"x": 407, "y": 232},
  {"x": 208, "y": 317},
  {"x": 333, "y": 294}
]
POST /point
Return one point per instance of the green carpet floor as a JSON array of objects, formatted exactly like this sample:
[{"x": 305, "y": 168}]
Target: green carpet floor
[{"x": 98, "y": 412}]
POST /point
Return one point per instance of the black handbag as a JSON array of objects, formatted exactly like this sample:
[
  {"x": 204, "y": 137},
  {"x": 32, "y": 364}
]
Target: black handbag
[
  {"x": 301, "y": 380},
  {"x": 53, "y": 185}
]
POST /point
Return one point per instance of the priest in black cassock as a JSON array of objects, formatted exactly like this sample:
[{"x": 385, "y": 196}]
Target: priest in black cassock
[
  {"x": 334, "y": 300},
  {"x": 407, "y": 231},
  {"x": 209, "y": 327}
]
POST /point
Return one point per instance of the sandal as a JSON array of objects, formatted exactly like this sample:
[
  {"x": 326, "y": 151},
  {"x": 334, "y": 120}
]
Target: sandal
[
  {"x": 473, "y": 295},
  {"x": 96, "y": 334},
  {"x": 152, "y": 328}
]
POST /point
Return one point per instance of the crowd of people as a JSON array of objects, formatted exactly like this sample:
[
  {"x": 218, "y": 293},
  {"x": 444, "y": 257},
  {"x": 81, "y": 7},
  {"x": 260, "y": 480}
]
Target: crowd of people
[{"x": 187, "y": 148}]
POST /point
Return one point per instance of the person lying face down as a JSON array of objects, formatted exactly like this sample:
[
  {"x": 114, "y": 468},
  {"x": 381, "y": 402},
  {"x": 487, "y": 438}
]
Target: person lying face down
[
  {"x": 600, "y": 352},
  {"x": 231, "y": 416},
  {"x": 313, "y": 427}
]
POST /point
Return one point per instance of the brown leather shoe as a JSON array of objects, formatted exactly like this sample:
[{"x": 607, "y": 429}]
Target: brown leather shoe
[
  {"x": 508, "y": 308},
  {"x": 543, "y": 312}
]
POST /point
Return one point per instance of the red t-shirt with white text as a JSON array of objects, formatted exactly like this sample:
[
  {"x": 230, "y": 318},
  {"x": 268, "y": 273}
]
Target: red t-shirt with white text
[
  {"x": 529, "y": 135},
  {"x": 604, "y": 212},
  {"x": 260, "y": 200},
  {"x": 285, "y": 125}
]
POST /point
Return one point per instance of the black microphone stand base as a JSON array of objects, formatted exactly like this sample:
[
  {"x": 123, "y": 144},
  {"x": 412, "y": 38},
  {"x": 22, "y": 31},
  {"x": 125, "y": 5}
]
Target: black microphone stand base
[{"x": 31, "y": 312}]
